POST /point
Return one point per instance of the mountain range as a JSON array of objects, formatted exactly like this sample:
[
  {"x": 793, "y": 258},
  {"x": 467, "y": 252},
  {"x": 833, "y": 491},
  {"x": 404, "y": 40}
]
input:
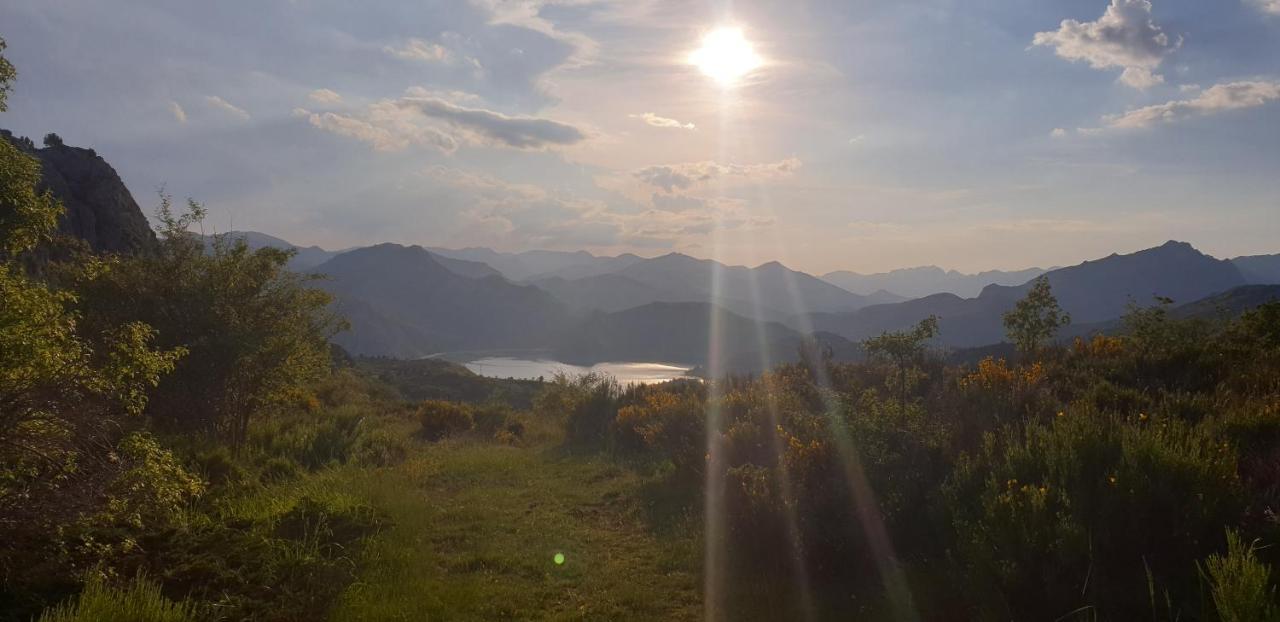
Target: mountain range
[
  {"x": 410, "y": 301},
  {"x": 926, "y": 280}
]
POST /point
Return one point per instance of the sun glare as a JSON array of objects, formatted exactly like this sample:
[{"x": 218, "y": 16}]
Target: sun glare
[{"x": 725, "y": 56}]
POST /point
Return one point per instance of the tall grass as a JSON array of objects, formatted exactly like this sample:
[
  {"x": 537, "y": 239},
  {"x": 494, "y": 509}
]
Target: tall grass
[{"x": 138, "y": 601}]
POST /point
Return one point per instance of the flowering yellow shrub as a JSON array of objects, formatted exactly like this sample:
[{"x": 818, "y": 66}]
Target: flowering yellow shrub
[
  {"x": 1100, "y": 346},
  {"x": 996, "y": 374}
]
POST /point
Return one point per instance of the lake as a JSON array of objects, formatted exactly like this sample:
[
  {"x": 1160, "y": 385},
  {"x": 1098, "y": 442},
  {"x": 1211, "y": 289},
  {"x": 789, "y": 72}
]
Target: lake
[{"x": 626, "y": 373}]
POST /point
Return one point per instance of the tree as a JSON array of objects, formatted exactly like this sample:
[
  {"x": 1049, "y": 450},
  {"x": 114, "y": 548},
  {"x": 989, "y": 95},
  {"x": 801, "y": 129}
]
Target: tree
[
  {"x": 255, "y": 330},
  {"x": 903, "y": 349},
  {"x": 64, "y": 388},
  {"x": 1035, "y": 319},
  {"x": 7, "y": 75},
  {"x": 52, "y": 140}
]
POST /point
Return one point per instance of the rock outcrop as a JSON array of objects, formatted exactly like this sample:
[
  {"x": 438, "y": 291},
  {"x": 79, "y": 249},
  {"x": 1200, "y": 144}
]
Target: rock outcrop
[{"x": 99, "y": 208}]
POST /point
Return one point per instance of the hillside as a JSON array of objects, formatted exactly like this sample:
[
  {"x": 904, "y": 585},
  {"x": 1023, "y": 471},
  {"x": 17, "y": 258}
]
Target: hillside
[
  {"x": 409, "y": 287},
  {"x": 769, "y": 292},
  {"x": 1094, "y": 291},
  {"x": 926, "y": 280}
]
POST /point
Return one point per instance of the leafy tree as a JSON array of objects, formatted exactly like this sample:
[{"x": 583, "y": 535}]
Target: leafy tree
[
  {"x": 52, "y": 140},
  {"x": 255, "y": 331},
  {"x": 903, "y": 349},
  {"x": 63, "y": 387},
  {"x": 7, "y": 76},
  {"x": 1035, "y": 319}
]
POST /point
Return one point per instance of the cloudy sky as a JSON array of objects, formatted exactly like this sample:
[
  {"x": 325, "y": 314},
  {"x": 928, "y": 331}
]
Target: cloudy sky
[{"x": 873, "y": 134}]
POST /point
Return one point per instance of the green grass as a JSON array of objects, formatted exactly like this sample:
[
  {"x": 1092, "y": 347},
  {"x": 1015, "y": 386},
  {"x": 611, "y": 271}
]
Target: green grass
[{"x": 475, "y": 527}]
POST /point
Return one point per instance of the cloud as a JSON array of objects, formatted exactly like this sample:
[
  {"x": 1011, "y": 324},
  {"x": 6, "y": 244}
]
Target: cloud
[
  {"x": 521, "y": 132},
  {"x": 1058, "y": 133},
  {"x": 1215, "y": 99},
  {"x": 178, "y": 112},
  {"x": 670, "y": 177},
  {"x": 421, "y": 51},
  {"x": 1125, "y": 37},
  {"x": 228, "y": 107},
  {"x": 657, "y": 121},
  {"x": 324, "y": 96},
  {"x": 676, "y": 202},
  {"x": 380, "y": 131},
  {"x": 1270, "y": 7}
]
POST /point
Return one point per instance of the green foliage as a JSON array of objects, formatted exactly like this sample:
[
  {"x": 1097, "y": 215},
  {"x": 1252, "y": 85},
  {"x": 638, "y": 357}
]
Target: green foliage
[
  {"x": 1064, "y": 514},
  {"x": 440, "y": 419},
  {"x": 1241, "y": 584},
  {"x": 7, "y": 75},
  {"x": 52, "y": 140},
  {"x": 27, "y": 217},
  {"x": 255, "y": 332},
  {"x": 1036, "y": 318},
  {"x": 904, "y": 350},
  {"x": 152, "y": 485},
  {"x": 587, "y": 404},
  {"x": 138, "y": 601}
]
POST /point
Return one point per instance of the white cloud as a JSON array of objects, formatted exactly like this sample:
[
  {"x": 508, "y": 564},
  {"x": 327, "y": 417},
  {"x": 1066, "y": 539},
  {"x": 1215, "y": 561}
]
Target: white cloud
[
  {"x": 325, "y": 96},
  {"x": 1215, "y": 99},
  {"x": 487, "y": 126},
  {"x": 228, "y": 107},
  {"x": 427, "y": 120},
  {"x": 178, "y": 112},
  {"x": 1270, "y": 7},
  {"x": 670, "y": 177},
  {"x": 1125, "y": 37},
  {"x": 1058, "y": 133},
  {"x": 379, "y": 130},
  {"x": 657, "y": 121},
  {"x": 421, "y": 51},
  {"x": 1188, "y": 88}
]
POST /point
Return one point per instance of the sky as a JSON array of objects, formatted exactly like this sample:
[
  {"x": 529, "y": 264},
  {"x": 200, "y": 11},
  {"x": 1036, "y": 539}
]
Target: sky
[{"x": 865, "y": 135}]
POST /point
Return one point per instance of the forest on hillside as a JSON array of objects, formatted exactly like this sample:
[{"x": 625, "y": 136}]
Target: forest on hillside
[{"x": 179, "y": 440}]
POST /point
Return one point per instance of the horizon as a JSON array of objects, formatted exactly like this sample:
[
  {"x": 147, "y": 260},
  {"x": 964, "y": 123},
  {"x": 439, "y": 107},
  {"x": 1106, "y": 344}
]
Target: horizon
[{"x": 1016, "y": 136}]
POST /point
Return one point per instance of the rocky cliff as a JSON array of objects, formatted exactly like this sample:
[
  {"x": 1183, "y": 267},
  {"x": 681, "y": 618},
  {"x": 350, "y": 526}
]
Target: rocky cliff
[{"x": 99, "y": 208}]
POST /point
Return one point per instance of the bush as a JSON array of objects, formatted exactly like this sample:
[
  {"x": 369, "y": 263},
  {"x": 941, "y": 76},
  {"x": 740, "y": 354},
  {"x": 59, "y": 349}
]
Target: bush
[
  {"x": 1065, "y": 514},
  {"x": 1240, "y": 584},
  {"x": 139, "y": 601},
  {"x": 279, "y": 469},
  {"x": 440, "y": 419},
  {"x": 491, "y": 417}
]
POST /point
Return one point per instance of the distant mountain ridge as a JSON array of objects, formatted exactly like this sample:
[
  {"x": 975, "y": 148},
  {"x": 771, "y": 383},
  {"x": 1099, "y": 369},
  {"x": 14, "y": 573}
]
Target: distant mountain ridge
[
  {"x": 928, "y": 280},
  {"x": 406, "y": 290},
  {"x": 1092, "y": 291}
]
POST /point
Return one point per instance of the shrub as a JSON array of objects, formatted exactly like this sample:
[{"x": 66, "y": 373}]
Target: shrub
[
  {"x": 1241, "y": 584},
  {"x": 152, "y": 486},
  {"x": 138, "y": 601},
  {"x": 440, "y": 419},
  {"x": 1065, "y": 514},
  {"x": 491, "y": 417},
  {"x": 279, "y": 469}
]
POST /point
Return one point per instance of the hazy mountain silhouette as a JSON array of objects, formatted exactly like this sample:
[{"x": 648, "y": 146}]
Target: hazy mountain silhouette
[
  {"x": 769, "y": 292},
  {"x": 538, "y": 264},
  {"x": 308, "y": 257},
  {"x": 1093, "y": 291},
  {"x": 926, "y": 280},
  {"x": 1259, "y": 269},
  {"x": 394, "y": 287}
]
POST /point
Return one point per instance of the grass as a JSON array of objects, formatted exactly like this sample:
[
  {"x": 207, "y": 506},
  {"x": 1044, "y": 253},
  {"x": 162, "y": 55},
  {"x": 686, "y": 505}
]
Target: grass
[{"x": 473, "y": 528}]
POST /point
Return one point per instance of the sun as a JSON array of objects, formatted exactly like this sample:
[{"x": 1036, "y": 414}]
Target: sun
[{"x": 725, "y": 56}]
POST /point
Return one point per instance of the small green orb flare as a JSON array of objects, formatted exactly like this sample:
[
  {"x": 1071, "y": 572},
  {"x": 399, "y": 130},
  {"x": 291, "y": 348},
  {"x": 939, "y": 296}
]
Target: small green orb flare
[{"x": 558, "y": 559}]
